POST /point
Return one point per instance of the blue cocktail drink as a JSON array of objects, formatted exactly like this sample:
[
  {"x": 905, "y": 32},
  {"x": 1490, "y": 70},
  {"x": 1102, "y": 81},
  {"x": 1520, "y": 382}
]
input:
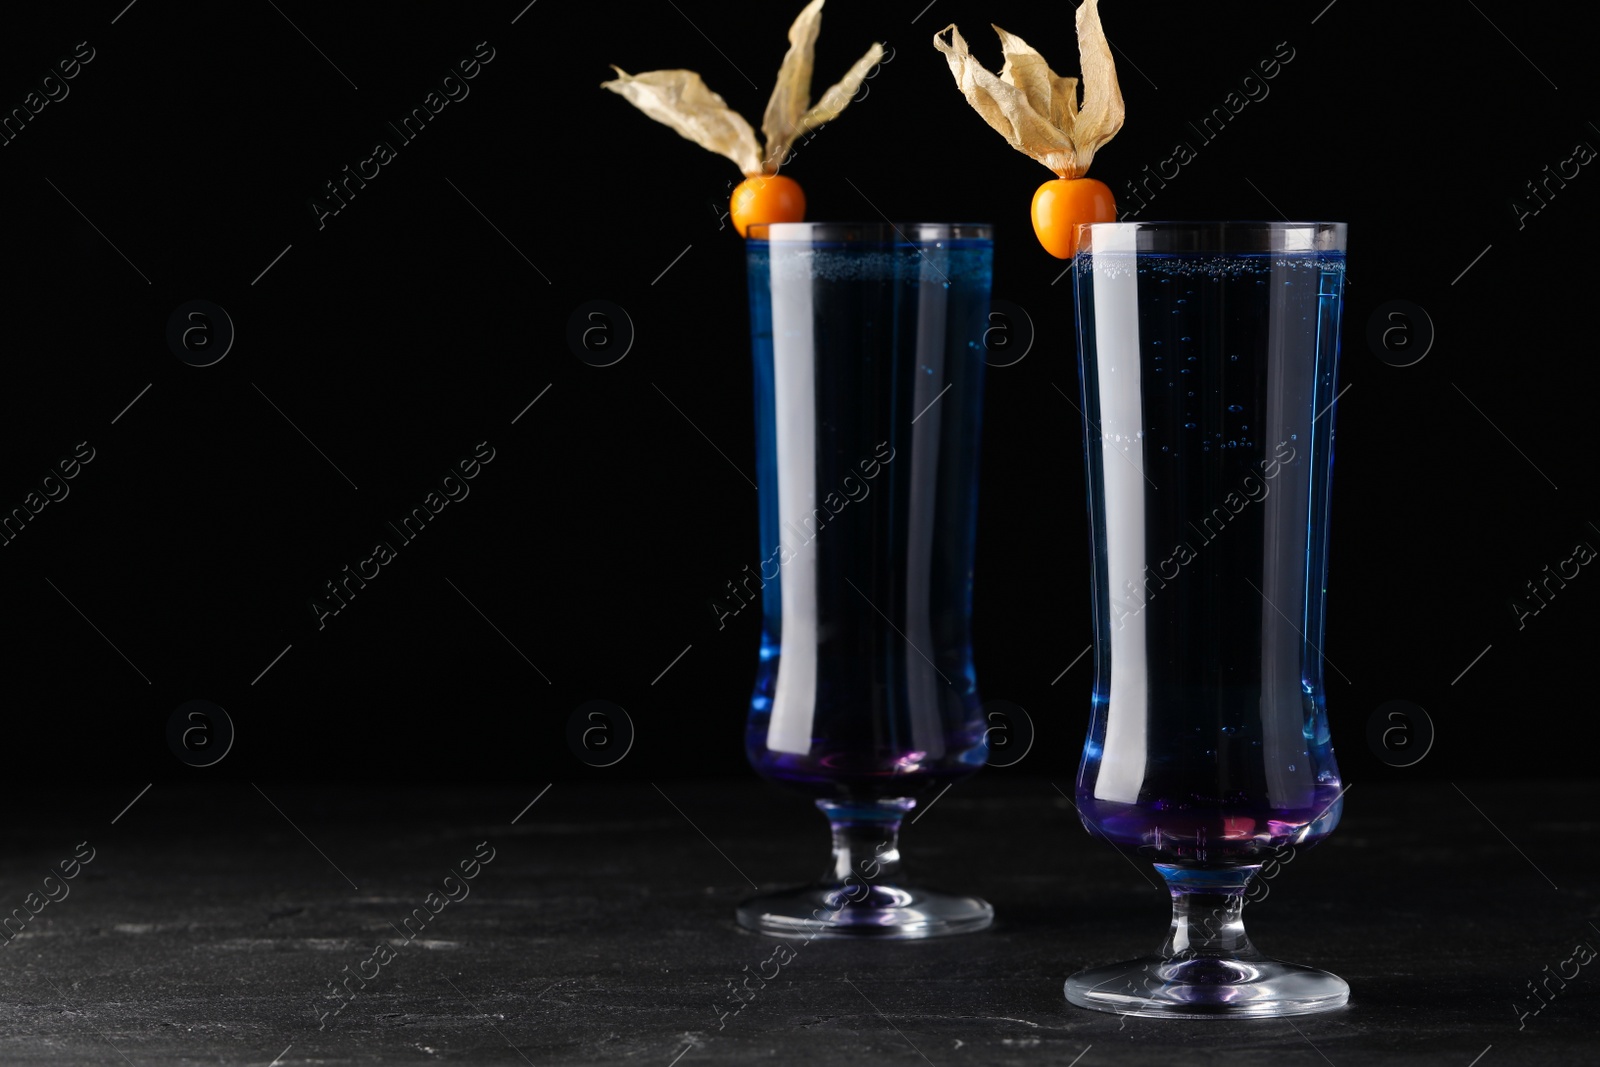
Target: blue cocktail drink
[
  {"x": 868, "y": 347},
  {"x": 1207, "y": 358}
]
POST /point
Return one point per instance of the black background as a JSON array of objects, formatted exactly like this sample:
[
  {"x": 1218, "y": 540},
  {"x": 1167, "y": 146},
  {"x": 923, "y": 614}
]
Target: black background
[{"x": 427, "y": 314}]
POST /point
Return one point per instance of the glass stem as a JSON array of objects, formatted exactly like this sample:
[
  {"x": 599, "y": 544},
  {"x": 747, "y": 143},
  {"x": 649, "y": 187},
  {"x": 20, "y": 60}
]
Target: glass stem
[
  {"x": 1208, "y": 913},
  {"x": 866, "y": 841}
]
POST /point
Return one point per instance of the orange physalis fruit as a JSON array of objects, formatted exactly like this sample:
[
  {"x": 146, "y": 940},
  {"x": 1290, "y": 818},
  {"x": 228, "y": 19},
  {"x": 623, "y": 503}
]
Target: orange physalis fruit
[
  {"x": 763, "y": 198},
  {"x": 1060, "y": 205}
]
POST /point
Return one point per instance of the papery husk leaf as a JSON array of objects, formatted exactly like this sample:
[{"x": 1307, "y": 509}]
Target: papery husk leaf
[
  {"x": 1007, "y": 109},
  {"x": 681, "y": 100},
  {"x": 790, "y": 113},
  {"x": 1101, "y": 115},
  {"x": 1049, "y": 94},
  {"x": 840, "y": 93},
  {"x": 1037, "y": 110},
  {"x": 791, "y": 96}
]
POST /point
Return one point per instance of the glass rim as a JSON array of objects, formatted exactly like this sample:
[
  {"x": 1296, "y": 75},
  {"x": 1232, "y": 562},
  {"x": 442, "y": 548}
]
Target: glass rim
[
  {"x": 1219, "y": 235},
  {"x": 868, "y": 233}
]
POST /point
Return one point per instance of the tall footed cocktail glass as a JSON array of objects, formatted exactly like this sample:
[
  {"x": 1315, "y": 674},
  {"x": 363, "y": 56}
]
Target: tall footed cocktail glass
[
  {"x": 1207, "y": 358},
  {"x": 868, "y": 348}
]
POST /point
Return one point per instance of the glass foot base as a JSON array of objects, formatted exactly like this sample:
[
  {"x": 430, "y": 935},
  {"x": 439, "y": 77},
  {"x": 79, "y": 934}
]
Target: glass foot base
[
  {"x": 884, "y": 912},
  {"x": 1207, "y": 988}
]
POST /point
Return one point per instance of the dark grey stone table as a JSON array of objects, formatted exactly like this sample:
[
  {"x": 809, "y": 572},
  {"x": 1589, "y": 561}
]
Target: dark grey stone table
[{"x": 211, "y": 924}]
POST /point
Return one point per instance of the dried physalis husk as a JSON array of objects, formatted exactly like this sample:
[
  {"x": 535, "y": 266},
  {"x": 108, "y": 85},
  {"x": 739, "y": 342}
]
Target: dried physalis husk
[
  {"x": 681, "y": 100},
  {"x": 790, "y": 113},
  {"x": 1035, "y": 109},
  {"x": 678, "y": 98}
]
